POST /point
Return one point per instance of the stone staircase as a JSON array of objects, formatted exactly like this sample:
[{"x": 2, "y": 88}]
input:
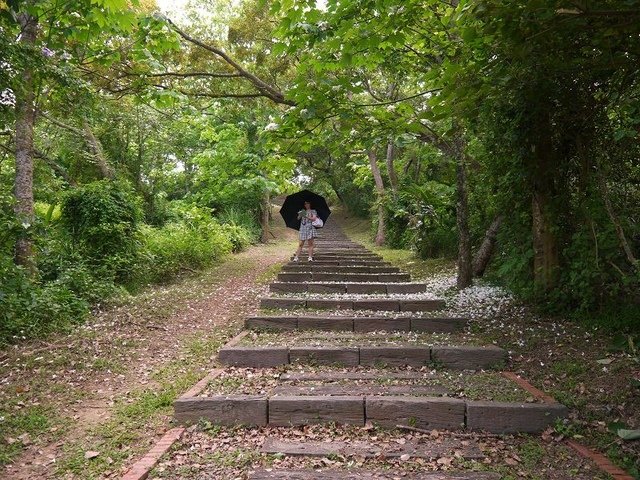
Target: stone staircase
[{"x": 349, "y": 340}]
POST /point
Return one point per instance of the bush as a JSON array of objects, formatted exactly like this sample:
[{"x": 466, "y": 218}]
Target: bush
[
  {"x": 29, "y": 309},
  {"x": 102, "y": 219},
  {"x": 193, "y": 243}
]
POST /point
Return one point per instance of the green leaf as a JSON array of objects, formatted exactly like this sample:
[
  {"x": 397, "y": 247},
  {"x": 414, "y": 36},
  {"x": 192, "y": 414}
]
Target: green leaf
[{"x": 628, "y": 434}]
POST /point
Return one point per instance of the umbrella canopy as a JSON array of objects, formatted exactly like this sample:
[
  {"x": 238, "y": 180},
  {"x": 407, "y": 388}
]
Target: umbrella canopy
[{"x": 295, "y": 202}]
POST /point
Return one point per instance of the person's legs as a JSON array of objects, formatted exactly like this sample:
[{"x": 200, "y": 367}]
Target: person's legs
[
  {"x": 300, "y": 244},
  {"x": 310, "y": 248}
]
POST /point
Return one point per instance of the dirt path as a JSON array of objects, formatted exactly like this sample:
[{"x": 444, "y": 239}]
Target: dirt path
[{"x": 85, "y": 404}]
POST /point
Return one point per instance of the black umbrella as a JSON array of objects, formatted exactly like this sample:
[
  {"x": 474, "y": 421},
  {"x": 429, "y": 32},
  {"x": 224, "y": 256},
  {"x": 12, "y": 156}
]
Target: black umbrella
[{"x": 295, "y": 202}]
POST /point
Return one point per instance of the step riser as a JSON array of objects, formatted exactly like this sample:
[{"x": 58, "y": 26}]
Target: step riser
[
  {"x": 381, "y": 305},
  {"x": 358, "y": 324},
  {"x": 420, "y": 412},
  {"x": 295, "y": 268},
  {"x": 355, "y": 288},
  {"x": 343, "y": 277},
  {"x": 458, "y": 358}
]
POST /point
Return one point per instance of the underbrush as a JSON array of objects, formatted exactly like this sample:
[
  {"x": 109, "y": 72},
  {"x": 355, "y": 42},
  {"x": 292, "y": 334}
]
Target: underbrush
[{"x": 98, "y": 249}]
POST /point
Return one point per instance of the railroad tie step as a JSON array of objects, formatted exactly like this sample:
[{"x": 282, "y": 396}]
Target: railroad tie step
[
  {"x": 453, "y": 357},
  {"x": 310, "y": 276},
  {"x": 375, "y": 304},
  {"x": 356, "y": 324},
  {"x": 352, "y": 288}
]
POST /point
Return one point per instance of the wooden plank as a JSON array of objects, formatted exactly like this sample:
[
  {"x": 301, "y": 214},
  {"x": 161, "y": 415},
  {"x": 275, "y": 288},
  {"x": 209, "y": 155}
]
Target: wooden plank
[
  {"x": 259, "y": 357},
  {"x": 345, "y": 356},
  {"x": 326, "y": 323},
  {"x": 421, "y": 412},
  {"x": 395, "y": 356},
  {"x": 438, "y": 324},
  {"x": 504, "y": 417},
  {"x": 444, "y": 447},
  {"x": 291, "y": 410},
  {"x": 222, "y": 410},
  {"x": 271, "y": 323},
  {"x": 469, "y": 357},
  {"x": 374, "y": 324}
]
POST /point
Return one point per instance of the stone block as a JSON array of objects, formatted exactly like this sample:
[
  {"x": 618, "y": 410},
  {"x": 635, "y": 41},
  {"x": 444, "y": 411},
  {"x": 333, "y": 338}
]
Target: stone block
[
  {"x": 421, "y": 412},
  {"x": 285, "y": 411}
]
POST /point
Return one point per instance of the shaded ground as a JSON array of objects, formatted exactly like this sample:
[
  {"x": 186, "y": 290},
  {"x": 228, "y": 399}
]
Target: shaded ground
[
  {"x": 83, "y": 405},
  {"x": 595, "y": 373}
]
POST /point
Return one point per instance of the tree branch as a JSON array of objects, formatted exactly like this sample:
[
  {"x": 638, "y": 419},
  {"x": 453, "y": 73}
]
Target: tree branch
[{"x": 266, "y": 89}]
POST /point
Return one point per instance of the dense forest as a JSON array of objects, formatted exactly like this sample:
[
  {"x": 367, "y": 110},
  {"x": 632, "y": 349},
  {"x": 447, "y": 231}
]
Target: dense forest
[{"x": 136, "y": 145}]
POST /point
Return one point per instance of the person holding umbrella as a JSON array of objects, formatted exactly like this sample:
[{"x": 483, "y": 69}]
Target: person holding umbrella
[{"x": 307, "y": 231}]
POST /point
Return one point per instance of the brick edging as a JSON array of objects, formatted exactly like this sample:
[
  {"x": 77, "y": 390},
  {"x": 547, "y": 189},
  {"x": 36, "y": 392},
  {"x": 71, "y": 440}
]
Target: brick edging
[
  {"x": 198, "y": 387},
  {"x": 140, "y": 470},
  {"x": 537, "y": 393},
  {"x": 600, "y": 460}
]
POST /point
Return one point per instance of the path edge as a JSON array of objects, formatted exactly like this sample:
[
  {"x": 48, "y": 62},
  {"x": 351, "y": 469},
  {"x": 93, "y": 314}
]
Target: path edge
[{"x": 141, "y": 469}]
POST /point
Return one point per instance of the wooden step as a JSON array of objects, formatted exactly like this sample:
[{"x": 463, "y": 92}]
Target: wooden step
[
  {"x": 373, "y": 304},
  {"x": 357, "y": 324},
  {"x": 390, "y": 288},
  {"x": 310, "y": 276},
  {"x": 312, "y": 267},
  {"x": 340, "y": 262},
  {"x": 454, "y": 357}
]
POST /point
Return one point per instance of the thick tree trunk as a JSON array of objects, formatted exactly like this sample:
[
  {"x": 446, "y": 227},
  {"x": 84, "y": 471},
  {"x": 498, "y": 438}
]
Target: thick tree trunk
[
  {"x": 377, "y": 177},
  {"x": 265, "y": 213},
  {"x": 393, "y": 178},
  {"x": 485, "y": 252},
  {"x": 25, "y": 121},
  {"x": 465, "y": 273},
  {"x": 545, "y": 246}
]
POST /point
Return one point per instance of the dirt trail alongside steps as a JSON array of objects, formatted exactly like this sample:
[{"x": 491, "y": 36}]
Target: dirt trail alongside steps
[{"x": 81, "y": 379}]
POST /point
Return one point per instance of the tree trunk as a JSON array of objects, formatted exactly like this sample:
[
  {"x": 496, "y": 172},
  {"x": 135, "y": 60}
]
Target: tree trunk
[
  {"x": 97, "y": 152},
  {"x": 25, "y": 121},
  {"x": 465, "y": 273},
  {"x": 485, "y": 252},
  {"x": 393, "y": 178},
  {"x": 546, "y": 259},
  {"x": 377, "y": 177},
  {"x": 264, "y": 216},
  {"x": 622, "y": 238}
]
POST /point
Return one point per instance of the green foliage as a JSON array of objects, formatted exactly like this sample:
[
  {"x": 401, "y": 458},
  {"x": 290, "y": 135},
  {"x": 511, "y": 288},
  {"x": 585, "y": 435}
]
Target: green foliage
[{"x": 102, "y": 220}]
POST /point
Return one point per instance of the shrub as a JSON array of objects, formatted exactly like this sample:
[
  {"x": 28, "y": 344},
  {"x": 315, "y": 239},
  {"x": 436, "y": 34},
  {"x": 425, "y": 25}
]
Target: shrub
[
  {"x": 30, "y": 309},
  {"x": 102, "y": 218}
]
